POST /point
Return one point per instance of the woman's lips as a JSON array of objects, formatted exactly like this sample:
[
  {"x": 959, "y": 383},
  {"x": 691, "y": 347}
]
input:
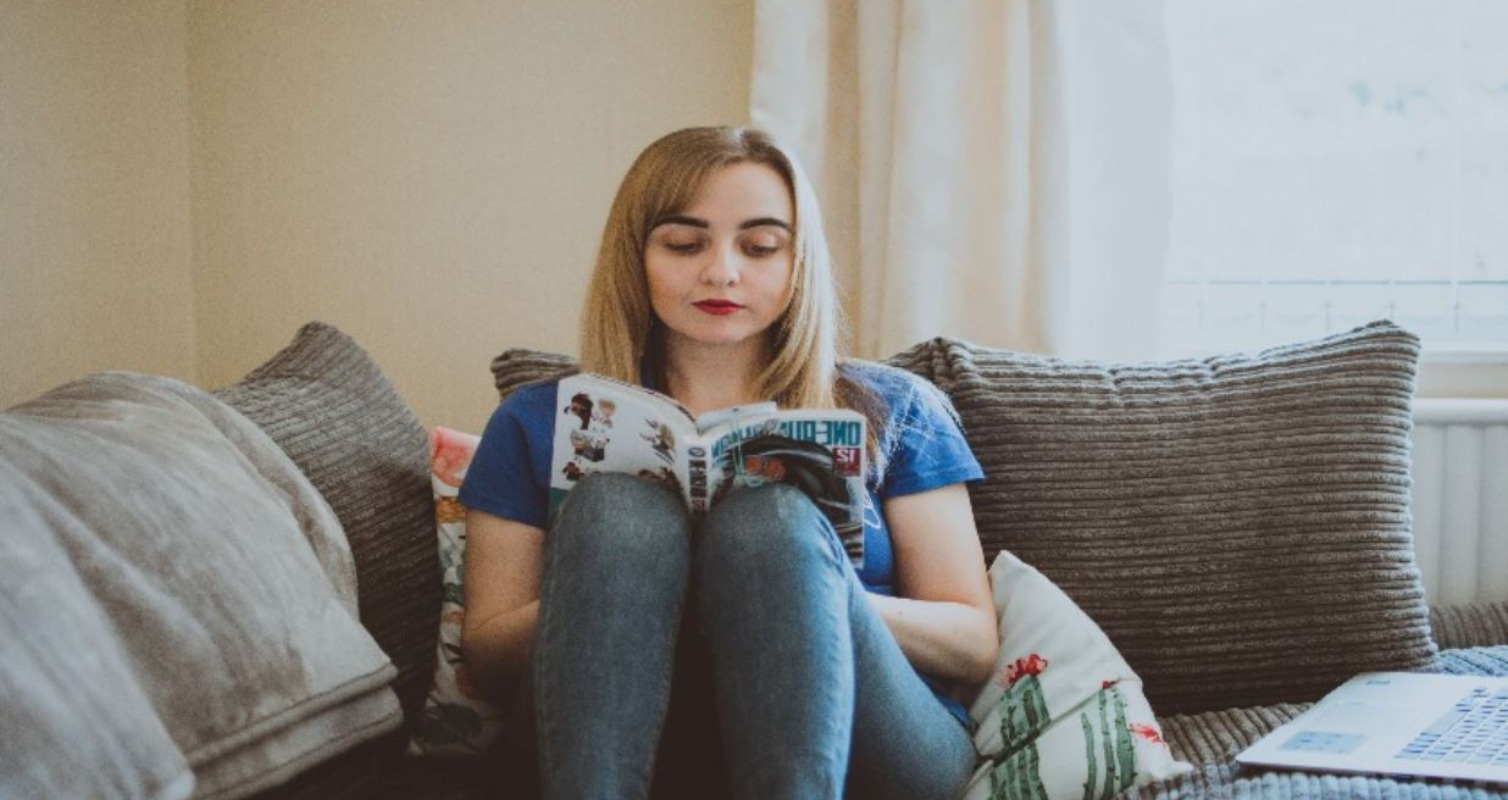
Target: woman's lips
[{"x": 718, "y": 307}]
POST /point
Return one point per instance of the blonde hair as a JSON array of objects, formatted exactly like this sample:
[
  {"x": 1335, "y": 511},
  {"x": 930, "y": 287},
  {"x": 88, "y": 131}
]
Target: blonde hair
[{"x": 619, "y": 332}]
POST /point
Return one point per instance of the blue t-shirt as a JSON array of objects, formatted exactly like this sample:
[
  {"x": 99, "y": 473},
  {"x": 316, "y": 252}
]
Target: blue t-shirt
[{"x": 920, "y": 448}]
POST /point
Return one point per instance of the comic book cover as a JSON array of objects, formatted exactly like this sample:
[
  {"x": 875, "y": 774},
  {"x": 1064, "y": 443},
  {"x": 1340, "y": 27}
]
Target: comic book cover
[{"x": 607, "y": 425}]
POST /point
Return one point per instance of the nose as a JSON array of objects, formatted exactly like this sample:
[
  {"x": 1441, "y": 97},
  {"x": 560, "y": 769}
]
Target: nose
[{"x": 722, "y": 266}]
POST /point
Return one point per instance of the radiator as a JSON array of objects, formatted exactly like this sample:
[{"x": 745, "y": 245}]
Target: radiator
[{"x": 1460, "y": 499}]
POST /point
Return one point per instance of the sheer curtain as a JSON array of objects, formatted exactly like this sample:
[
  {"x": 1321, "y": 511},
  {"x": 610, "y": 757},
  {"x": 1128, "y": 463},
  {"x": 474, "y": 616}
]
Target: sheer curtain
[{"x": 993, "y": 170}]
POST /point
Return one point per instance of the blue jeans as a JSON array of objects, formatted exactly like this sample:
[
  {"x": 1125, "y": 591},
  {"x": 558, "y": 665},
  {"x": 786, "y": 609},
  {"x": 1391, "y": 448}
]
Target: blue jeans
[{"x": 809, "y": 691}]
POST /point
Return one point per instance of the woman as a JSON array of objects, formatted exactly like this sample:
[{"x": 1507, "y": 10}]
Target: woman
[{"x": 713, "y": 285}]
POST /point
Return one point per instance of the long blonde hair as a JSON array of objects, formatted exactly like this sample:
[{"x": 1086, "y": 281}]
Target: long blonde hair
[{"x": 620, "y": 334}]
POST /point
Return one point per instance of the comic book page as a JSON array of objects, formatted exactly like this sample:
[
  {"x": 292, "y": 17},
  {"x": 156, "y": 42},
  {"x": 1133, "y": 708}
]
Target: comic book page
[
  {"x": 606, "y": 426},
  {"x": 819, "y": 452}
]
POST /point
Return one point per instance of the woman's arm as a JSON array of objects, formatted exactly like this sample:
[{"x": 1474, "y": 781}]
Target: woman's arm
[
  {"x": 943, "y": 615},
  {"x": 502, "y": 570}
]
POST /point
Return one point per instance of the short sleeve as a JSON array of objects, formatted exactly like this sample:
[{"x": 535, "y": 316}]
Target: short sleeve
[
  {"x": 926, "y": 448},
  {"x": 509, "y": 475}
]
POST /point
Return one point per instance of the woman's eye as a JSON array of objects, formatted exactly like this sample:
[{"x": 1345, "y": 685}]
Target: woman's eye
[
  {"x": 761, "y": 250},
  {"x": 683, "y": 247}
]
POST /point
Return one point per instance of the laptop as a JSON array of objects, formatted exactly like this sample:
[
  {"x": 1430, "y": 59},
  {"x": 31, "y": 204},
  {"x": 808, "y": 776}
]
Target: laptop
[{"x": 1398, "y": 724}]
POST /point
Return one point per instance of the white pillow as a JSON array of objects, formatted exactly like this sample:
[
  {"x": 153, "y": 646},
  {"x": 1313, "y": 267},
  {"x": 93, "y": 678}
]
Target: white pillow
[
  {"x": 1063, "y": 716},
  {"x": 457, "y": 720}
]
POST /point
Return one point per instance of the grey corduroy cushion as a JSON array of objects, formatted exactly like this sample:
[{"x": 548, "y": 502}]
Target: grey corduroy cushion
[
  {"x": 1473, "y": 625},
  {"x": 519, "y": 366},
  {"x": 331, "y": 409},
  {"x": 1238, "y": 525}
]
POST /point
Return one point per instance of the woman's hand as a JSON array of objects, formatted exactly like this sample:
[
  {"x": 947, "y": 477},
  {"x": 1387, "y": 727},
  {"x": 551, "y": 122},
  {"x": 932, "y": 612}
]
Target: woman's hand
[
  {"x": 502, "y": 571},
  {"x": 943, "y": 615}
]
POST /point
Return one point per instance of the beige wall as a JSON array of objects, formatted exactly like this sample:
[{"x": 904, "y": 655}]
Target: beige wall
[
  {"x": 185, "y": 183},
  {"x": 429, "y": 177},
  {"x": 95, "y": 259}
]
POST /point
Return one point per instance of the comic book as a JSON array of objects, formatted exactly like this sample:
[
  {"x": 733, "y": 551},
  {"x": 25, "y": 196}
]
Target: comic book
[{"x": 606, "y": 425}]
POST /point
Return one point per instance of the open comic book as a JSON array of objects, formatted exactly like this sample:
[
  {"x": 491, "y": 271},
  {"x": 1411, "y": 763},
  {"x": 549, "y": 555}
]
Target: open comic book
[{"x": 606, "y": 425}]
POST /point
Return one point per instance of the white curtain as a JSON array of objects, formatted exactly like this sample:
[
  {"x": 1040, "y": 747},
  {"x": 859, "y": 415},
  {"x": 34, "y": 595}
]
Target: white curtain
[{"x": 992, "y": 170}]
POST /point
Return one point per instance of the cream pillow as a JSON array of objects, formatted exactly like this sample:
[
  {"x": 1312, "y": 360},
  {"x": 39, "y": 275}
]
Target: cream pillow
[
  {"x": 1064, "y": 715},
  {"x": 456, "y": 720}
]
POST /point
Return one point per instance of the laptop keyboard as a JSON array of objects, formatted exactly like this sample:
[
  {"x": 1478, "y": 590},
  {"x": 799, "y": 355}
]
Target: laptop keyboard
[{"x": 1474, "y": 731}]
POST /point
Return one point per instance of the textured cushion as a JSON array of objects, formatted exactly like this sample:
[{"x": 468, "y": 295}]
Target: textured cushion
[
  {"x": 328, "y": 405},
  {"x": 519, "y": 367},
  {"x": 457, "y": 719},
  {"x": 1238, "y": 525},
  {"x": 1475, "y": 661},
  {"x": 1472, "y": 625},
  {"x": 1064, "y": 715},
  {"x": 191, "y": 553}
]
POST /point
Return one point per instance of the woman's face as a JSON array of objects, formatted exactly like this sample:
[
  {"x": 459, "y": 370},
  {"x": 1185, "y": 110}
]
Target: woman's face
[{"x": 719, "y": 272}]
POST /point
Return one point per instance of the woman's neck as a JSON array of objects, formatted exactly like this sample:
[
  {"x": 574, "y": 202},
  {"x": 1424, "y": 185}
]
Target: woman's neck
[{"x": 709, "y": 379}]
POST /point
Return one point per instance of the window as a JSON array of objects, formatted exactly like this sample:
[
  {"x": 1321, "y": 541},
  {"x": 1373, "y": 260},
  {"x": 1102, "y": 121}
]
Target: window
[{"x": 1335, "y": 162}]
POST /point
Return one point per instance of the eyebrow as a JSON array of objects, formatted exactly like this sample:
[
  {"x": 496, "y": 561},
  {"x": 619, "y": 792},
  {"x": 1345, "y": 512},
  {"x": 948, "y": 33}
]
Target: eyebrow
[{"x": 696, "y": 222}]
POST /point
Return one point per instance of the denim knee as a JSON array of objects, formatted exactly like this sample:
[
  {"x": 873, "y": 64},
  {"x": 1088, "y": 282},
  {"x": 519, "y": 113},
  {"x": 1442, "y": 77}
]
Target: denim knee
[
  {"x": 771, "y": 526},
  {"x": 627, "y": 521}
]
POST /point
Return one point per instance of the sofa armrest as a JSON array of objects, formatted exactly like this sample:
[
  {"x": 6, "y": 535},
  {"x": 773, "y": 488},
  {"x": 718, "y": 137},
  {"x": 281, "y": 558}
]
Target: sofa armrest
[{"x": 1474, "y": 625}]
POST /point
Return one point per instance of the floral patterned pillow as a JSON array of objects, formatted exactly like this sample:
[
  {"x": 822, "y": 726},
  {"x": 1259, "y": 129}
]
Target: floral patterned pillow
[
  {"x": 456, "y": 719},
  {"x": 1064, "y": 715}
]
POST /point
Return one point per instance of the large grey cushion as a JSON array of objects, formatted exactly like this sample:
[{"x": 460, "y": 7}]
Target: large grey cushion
[
  {"x": 331, "y": 409},
  {"x": 1238, "y": 525},
  {"x": 165, "y": 554}
]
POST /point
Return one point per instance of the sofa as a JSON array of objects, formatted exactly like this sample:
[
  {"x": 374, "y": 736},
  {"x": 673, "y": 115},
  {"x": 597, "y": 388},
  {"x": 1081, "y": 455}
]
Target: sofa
[{"x": 237, "y": 593}]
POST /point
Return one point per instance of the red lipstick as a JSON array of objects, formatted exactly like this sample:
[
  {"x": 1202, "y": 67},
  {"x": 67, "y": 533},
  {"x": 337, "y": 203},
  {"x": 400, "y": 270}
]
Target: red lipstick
[{"x": 718, "y": 307}]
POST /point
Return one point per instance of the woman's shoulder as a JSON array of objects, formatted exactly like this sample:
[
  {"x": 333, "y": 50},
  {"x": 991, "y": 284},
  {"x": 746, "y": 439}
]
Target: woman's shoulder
[
  {"x": 530, "y": 403},
  {"x": 884, "y": 378},
  {"x": 536, "y": 392},
  {"x": 897, "y": 388}
]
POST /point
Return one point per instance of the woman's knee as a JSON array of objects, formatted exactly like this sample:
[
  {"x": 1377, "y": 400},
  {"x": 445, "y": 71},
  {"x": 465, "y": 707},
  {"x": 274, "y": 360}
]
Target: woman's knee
[
  {"x": 773, "y": 523},
  {"x": 623, "y": 518}
]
